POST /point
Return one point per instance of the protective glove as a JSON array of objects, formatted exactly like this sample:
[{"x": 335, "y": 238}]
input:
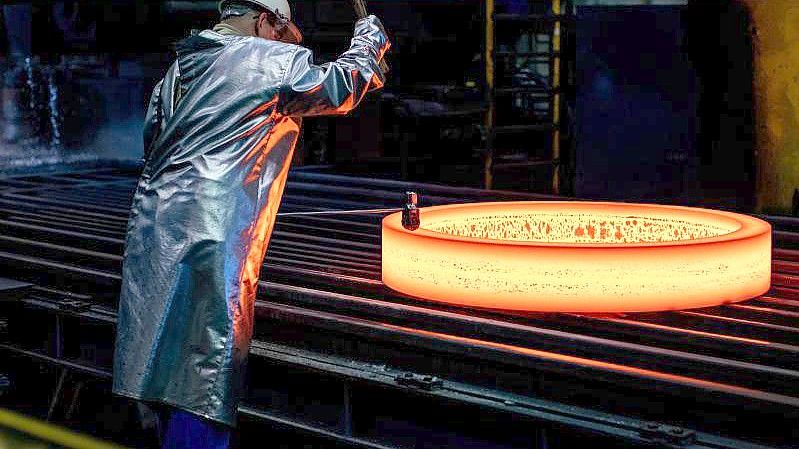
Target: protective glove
[{"x": 371, "y": 28}]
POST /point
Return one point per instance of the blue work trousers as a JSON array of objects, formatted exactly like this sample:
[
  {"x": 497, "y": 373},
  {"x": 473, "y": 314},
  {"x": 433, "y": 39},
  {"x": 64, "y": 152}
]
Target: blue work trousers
[{"x": 183, "y": 430}]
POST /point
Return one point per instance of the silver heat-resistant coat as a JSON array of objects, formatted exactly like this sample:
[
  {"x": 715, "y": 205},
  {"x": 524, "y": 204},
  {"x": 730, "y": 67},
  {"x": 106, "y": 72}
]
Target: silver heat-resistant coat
[{"x": 219, "y": 136}]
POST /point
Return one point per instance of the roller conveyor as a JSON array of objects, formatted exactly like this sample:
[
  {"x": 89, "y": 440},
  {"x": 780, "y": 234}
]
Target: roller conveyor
[{"x": 717, "y": 377}]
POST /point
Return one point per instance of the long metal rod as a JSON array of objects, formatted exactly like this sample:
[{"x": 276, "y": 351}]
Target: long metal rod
[
  {"x": 380, "y": 304},
  {"x": 340, "y": 212},
  {"x": 331, "y": 212}
]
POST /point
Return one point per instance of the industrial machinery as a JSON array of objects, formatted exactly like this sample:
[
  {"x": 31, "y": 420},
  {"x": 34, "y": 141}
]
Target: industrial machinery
[{"x": 344, "y": 361}]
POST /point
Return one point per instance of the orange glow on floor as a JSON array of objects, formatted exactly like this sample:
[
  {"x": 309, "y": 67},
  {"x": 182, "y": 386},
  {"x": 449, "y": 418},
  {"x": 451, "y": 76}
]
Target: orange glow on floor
[{"x": 578, "y": 256}]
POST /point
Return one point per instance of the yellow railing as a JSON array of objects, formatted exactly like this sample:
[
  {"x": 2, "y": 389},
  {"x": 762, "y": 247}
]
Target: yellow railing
[{"x": 20, "y": 432}]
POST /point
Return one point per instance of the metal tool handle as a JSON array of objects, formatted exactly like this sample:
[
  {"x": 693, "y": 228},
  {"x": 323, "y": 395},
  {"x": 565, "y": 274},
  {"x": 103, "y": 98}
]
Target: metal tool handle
[
  {"x": 361, "y": 12},
  {"x": 339, "y": 212},
  {"x": 360, "y": 8}
]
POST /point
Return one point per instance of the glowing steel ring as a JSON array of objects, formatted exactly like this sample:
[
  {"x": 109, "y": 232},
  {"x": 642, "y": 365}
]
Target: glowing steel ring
[{"x": 578, "y": 256}]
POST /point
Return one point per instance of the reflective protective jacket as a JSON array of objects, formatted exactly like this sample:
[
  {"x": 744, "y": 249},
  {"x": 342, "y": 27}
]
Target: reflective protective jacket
[{"x": 219, "y": 135}]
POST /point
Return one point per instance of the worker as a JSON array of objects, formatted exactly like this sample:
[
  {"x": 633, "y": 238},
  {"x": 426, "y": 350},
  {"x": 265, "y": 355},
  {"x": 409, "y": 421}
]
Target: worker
[{"x": 219, "y": 135}]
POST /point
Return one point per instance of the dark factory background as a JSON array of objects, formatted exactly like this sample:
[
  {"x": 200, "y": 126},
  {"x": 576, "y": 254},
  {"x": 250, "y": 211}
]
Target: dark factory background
[
  {"x": 664, "y": 116},
  {"x": 685, "y": 102}
]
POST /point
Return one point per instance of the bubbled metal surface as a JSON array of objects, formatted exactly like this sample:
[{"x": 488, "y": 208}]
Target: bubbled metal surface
[{"x": 578, "y": 256}]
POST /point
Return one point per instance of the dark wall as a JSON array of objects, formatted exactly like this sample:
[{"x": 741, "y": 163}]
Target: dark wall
[
  {"x": 664, "y": 103},
  {"x": 719, "y": 46},
  {"x": 636, "y": 104}
]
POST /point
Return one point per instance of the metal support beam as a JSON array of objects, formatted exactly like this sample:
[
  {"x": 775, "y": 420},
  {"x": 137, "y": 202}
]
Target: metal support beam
[
  {"x": 490, "y": 116},
  {"x": 557, "y": 13}
]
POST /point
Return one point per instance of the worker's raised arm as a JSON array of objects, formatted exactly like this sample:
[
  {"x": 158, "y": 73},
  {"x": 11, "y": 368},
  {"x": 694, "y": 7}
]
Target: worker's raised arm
[{"x": 336, "y": 87}]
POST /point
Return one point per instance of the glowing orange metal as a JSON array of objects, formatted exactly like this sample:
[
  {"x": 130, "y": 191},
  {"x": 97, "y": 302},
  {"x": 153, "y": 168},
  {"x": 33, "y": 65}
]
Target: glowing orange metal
[{"x": 578, "y": 256}]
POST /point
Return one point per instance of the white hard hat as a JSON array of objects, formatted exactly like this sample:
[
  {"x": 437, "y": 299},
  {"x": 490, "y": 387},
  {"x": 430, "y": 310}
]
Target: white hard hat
[{"x": 281, "y": 8}]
